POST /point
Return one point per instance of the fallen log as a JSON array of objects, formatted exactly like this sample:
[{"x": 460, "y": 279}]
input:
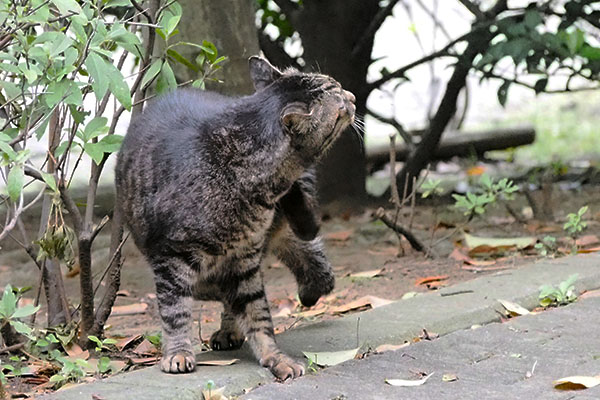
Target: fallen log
[{"x": 461, "y": 144}]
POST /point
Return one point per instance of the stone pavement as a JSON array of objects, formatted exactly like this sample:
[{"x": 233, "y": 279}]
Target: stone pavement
[{"x": 490, "y": 362}]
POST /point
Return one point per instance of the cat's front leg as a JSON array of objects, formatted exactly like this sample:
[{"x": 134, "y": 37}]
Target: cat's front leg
[
  {"x": 173, "y": 279},
  {"x": 248, "y": 304},
  {"x": 229, "y": 336}
]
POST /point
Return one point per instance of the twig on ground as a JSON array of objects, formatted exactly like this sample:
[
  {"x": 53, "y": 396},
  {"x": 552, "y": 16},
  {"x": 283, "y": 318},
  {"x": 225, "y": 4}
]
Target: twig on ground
[{"x": 412, "y": 239}]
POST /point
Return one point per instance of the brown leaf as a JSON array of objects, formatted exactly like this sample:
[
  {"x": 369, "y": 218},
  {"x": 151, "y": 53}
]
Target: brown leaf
[
  {"x": 74, "y": 350},
  {"x": 391, "y": 347},
  {"x": 312, "y": 313},
  {"x": 587, "y": 240},
  {"x": 339, "y": 236},
  {"x": 73, "y": 272},
  {"x": 480, "y": 269},
  {"x": 590, "y": 250},
  {"x": 144, "y": 360},
  {"x": 130, "y": 309},
  {"x": 337, "y": 295},
  {"x": 428, "y": 279},
  {"x": 217, "y": 363},
  {"x": 576, "y": 382},
  {"x": 365, "y": 301},
  {"x": 590, "y": 294},
  {"x": 145, "y": 348},
  {"x": 123, "y": 343},
  {"x": 368, "y": 274},
  {"x": 124, "y": 293},
  {"x": 435, "y": 285},
  {"x": 285, "y": 308}
]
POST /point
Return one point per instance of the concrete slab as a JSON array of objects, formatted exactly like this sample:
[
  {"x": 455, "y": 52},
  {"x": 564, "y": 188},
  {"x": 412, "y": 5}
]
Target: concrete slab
[
  {"x": 516, "y": 360},
  {"x": 451, "y": 309}
]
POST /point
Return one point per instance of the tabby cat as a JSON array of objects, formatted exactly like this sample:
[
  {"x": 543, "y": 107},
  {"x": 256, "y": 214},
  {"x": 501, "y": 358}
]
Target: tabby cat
[{"x": 208, "y": 184}]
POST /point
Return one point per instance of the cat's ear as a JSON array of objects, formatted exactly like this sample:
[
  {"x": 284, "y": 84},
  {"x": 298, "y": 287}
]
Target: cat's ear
[
  {"x": 262, "y": 72},
  {"x": 295, "y": 115}
]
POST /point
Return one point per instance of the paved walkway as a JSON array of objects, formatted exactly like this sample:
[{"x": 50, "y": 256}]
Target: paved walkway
[{"x": 491, "y": 362}]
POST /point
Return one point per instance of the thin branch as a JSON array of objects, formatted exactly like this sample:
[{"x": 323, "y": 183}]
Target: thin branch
[
  {"x": 397, "y": 126},
  {"x": 473, "y": 8},
  {"x": 412, "y": 239},
  {"x": 373, "y": 27},
  {"x": 443, "y": 52}
]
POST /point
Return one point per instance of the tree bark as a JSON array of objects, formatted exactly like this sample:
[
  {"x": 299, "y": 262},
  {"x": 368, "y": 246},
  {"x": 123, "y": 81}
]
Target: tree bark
[
  {"x": 229, "y": 25},
  {"x": 329, "y": 31}
]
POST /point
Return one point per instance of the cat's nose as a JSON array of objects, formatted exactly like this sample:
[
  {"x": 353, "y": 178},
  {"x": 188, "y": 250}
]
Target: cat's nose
[{"x": 350, "y": 96}]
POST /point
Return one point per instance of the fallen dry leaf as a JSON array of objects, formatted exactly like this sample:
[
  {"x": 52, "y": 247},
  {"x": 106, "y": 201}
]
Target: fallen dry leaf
[
  {"x": 123, "y": 343},
  {"x": 428, "y": 279},
  {"x": 130, "y": 309},
  {"x": 337, "y": 295},
  {"x": 368, "y": 274},
  {"x": 329, "y": 358},
  {"x": 460, "y": 256},
  {"x": 312, "y": 313},
  {"x": 587, "y": 240},
  {"x": 217, "y": 363},
  {"x": 483, "y": 269},
  {"x": 406, "y": 382},
  {"x": 145, "y": 348},
  {"x": 589, "y": 294},
  {"x": 589, "y": 250},
  {"x": 449, "y": 378},
  {"x": 74, "y": 350},
  {"x": 480, "y": 245},
  {"x": 124, "y": 293},
  {"x": 214, "y": 394},
  {"x": 514, "y": 310},
  {"x": 285, "y": 308},
  {"x": 365, "y": 301},
  {"x": 426, "y": 335},
  {"x": 143, "y": 360},
  {"x": 577, "y": 382},
  {"x": 391, "y": 347},
  {"x": 339, "y": 236}
]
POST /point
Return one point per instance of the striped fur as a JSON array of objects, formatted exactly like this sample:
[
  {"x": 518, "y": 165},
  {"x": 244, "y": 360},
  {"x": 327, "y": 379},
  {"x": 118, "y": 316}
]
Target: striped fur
[{"x": 208, "y": 184}]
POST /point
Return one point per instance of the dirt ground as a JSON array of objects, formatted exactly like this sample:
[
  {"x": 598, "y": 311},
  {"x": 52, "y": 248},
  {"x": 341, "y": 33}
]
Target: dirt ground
[{"x": 356, "y": 244}]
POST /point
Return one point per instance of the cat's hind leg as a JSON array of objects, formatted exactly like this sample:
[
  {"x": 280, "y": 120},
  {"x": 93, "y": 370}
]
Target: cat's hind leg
[
  {"x": 248, "y": 304},
  {"x": 174, "y": 279}
]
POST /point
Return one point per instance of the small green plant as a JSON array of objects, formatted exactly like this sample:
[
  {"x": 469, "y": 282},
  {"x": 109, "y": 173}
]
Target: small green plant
[
  {"x": 431, "y": 187},
  {"x": 575, "y": 224},
  {"x": 312, "y": 367},
  {"x": 547, "y": 247},
  {"x": 102, "y": 344},
  {"x": 486, "y": 193},
  {"x": 71, "y": 371},
  {"x": 155, "y": 339},
  {"x": 10, "y": 313},
  {"x": 561, "y": 295}
]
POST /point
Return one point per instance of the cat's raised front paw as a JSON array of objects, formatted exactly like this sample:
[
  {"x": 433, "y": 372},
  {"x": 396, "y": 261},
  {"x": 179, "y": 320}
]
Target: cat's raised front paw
[
  {"x": 282, "y": 366},
  {"x": 178, "y": 363},
  {"x": 226, "y": 340}
]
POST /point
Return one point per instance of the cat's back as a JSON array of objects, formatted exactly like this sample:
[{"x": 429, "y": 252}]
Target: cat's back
[{"x": 173, "y": 112}]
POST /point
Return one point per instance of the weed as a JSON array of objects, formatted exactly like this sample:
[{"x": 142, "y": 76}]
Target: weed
[
  {"x": 561, "y": 295},
  {"x": 547, "y": 247}
]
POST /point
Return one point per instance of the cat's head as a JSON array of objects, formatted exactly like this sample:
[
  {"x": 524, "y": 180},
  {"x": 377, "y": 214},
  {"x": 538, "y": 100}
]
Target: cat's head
[{"x": 314, "y": 108}]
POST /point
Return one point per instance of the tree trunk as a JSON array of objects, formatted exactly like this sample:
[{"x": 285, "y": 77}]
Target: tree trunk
[
  {"x": 329, "y": 31},
  {"x": 229, "y": 25}
]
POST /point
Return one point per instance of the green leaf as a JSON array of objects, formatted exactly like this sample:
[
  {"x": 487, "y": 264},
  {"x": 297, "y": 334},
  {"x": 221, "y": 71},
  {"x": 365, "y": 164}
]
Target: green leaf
[
  {"x": 166, "y": 80},
  {"x": 533, "y": 18},
  {"x": 182, "y": 60},
  {"x": 5, "y": 147},
  {"x": 25, "y": 311},
  {"x": 95, "y": 127},
  {"x": 111, "y": 143},
  {"x": 103, "y": 364},
  {"x": 119, "y": 87},
  {"x": 95, "y": 151},
  {"x": 50, "y": 181},
  {"x": 98, "y": 69},
  {"x": 69, "y": 6},
  {"x": 503, "y": 93},
  {"x": 151, "y": 72},
  {"x": 8, "y": 303},
  {"x": 589, "y": 52},
  {"x": 540, "y": 85},
  {"x": 14, "y": 183},
  {"x": 22, "y": 328}
]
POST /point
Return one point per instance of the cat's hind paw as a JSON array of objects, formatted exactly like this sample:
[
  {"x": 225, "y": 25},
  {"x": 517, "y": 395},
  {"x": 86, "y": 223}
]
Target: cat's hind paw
[
  {"x": 226, "y": 340},
  {"x": 282, "y": 366},
  {"x": 178, "y": 363}
]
